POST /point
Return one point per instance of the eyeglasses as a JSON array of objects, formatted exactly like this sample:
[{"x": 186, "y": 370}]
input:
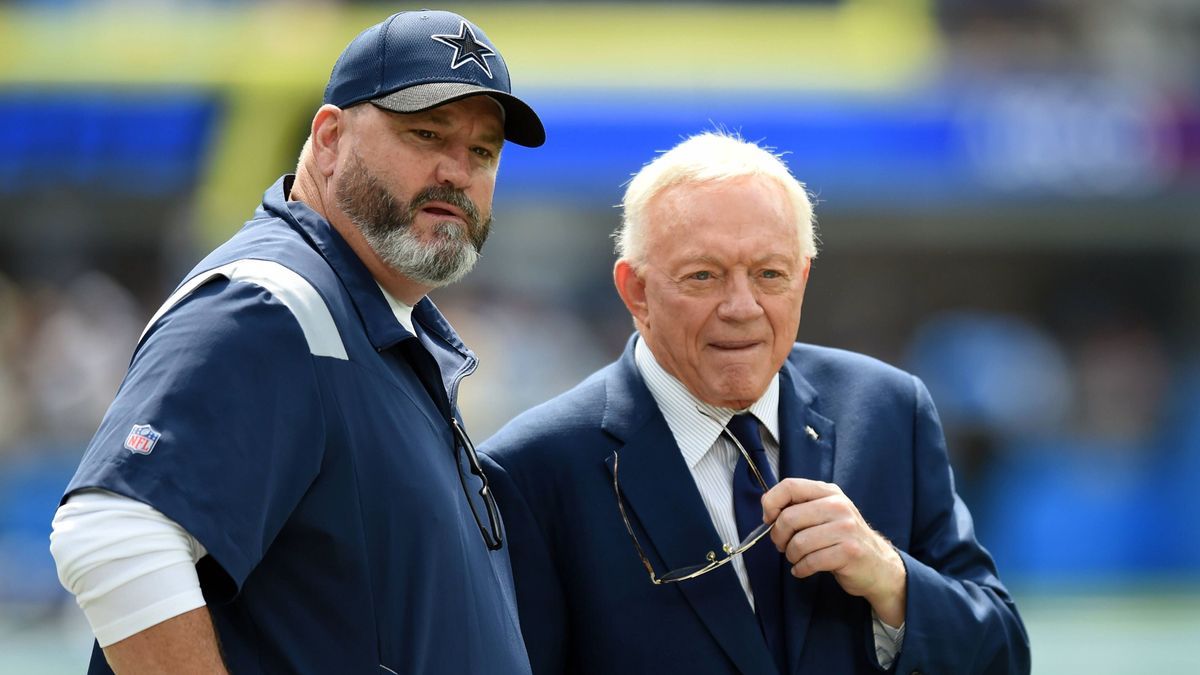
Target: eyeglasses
[
  {"x": 712, "y": 561},
  {"x": 492, "y": 533}
]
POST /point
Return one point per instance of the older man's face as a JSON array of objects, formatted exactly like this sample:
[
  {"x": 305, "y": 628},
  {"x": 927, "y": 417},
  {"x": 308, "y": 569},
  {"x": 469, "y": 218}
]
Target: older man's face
[{"x": 722, "y": 286}]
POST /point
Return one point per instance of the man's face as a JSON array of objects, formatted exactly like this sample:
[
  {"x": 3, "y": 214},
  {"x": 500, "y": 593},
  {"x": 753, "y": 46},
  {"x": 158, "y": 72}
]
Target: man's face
[
  {"x": 419, "y": 186},
  {"x": 723, "y": 283}
]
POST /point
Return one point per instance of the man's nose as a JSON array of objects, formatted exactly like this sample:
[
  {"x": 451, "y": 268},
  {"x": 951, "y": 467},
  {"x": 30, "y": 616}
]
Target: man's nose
[
  {"x": 454, "y": 169},
  {"x": 740, "y": 302}
]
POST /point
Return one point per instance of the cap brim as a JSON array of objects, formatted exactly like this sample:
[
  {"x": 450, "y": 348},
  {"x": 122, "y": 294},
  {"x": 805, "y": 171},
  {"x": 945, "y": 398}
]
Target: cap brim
[{"x": 521, "y": 124}]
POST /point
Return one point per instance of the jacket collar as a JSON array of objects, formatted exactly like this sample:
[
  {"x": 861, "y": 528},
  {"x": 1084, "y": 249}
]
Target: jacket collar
[
  {"x": 806, "y": 450},
  {"x": 383, "y": 330}
]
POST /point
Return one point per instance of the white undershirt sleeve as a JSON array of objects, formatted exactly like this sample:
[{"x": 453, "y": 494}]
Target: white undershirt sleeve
[
  {"x": 128, "y": 566},
  {"x": 888, "y": 641}
]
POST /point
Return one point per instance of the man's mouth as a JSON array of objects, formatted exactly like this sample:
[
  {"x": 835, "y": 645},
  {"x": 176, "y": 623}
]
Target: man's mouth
[
  {"x": 444, "y": 211},
  {"x": 734, "y": 345}
]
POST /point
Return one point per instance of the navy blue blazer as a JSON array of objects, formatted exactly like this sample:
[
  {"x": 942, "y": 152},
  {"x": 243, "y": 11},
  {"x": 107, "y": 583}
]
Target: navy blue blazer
[{"x": 587, "y": 605}]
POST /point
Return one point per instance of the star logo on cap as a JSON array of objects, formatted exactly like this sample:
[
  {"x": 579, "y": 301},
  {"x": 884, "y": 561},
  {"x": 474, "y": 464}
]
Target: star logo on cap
[{"x": 467, "y": 48}]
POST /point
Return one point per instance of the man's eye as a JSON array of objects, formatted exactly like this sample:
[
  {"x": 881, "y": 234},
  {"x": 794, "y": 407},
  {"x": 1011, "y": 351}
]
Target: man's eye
[
  {"x": 483, "y": 152},
  {"x": 772, "y": 274},
  {"x": 700, "y": 276},
  {"x": 425, "y": 133}
]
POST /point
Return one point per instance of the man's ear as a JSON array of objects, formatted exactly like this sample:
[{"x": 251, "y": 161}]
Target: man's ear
[
  {"x": 328, "y": 127},
  {"x": 632, "y": 289}
]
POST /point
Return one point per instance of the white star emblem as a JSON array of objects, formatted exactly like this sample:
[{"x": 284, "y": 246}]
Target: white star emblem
[{"x": 467, "y": 48}]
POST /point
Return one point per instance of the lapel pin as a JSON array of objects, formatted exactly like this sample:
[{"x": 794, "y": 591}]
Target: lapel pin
[{"x": 812, "y": 433}]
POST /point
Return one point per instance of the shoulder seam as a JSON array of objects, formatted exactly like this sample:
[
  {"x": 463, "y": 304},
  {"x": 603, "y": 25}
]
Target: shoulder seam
[{"x": 296, "y": 293}]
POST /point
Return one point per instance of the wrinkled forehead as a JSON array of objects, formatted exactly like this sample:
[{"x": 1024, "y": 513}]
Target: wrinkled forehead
[{"x": 711, "y": 217}]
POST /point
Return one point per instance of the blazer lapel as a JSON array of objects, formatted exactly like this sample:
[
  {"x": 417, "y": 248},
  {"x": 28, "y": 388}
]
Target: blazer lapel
[
  {"x": 806, "y": 450},
  {"x": 675, "y": 529}
]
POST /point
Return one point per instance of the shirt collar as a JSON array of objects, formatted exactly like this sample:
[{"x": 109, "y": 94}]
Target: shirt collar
[
  {"x": 695, "y": 432},
  {"x": 402, "y": 311}
]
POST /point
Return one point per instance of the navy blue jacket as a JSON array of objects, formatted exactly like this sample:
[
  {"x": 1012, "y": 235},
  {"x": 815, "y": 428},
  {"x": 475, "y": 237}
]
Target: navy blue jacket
[
  {"x": 588, "y": 606},
  {"x": 278, "y": 411}
]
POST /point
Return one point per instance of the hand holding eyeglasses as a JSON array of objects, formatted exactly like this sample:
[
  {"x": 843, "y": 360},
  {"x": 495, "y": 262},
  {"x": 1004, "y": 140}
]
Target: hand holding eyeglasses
[
  {"x": 712, "y": 560},
  {"x": 818, "y": 529}
]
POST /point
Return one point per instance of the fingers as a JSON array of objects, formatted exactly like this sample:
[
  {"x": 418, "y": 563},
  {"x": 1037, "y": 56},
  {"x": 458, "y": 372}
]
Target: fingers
[
  {"x": 794, "y": 491},
  {"x": 860, "y": 567},
  {"x": 810, "y": 541},
  {"x": 861, "y": 560},
  {"x": 816, "y": 503},
  {"x": 818, "y": 529},
  {"x": 828, "y": 559},
  {"x": 800, "y": 517},
  {"x": 838, "y": 547}
]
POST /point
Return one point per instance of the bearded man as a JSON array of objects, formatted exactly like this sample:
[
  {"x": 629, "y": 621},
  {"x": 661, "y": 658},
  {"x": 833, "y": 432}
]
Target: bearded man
[{"x": 283, "y": 482}]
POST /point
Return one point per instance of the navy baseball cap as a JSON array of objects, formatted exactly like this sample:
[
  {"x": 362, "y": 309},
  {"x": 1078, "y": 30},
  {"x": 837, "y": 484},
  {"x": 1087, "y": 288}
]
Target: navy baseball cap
[{"x": 414, "y": 61}]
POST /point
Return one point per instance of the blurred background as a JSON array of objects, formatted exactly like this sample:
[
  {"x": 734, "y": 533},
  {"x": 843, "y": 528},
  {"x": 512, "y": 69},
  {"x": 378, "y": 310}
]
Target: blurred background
[{"x": 1008, "y": 195}]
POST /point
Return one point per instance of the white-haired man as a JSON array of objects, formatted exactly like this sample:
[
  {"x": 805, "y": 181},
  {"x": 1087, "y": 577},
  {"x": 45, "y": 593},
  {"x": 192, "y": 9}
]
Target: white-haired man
[{"x": 649, "y": 533}]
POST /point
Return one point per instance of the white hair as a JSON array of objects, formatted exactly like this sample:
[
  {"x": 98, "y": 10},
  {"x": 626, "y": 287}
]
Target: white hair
[{"x": 710, "y": 157}]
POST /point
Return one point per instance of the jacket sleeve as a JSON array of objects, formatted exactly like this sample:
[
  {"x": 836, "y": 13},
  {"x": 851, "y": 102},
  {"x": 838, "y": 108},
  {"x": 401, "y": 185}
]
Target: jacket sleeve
[
  {"x": 540, "y": 600},
  {"x": 959, "y": 617}
]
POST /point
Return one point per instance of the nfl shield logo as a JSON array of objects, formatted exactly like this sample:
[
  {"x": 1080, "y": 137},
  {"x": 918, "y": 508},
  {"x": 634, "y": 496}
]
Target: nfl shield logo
[{"x": 141, "y": 439}]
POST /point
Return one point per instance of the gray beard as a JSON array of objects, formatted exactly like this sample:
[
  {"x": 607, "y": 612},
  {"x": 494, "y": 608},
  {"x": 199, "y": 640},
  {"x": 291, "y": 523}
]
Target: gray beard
[
  {"x": 386, "y": 225},
  {"x": 443, "y": 262}
]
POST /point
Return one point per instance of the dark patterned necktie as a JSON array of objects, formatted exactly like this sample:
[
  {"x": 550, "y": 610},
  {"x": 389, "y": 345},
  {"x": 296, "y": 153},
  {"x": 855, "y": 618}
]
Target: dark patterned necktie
[{"x": 762, "y": 560}]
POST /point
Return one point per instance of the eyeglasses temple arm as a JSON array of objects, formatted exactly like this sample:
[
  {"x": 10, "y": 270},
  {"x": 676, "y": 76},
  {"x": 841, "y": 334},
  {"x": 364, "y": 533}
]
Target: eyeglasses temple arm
[
  {"x": 749, "y": 462},
  {"x": 629, "y": 527}
]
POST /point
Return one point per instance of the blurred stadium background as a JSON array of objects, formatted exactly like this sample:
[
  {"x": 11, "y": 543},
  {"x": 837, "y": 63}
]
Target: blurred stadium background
[{"x": 1008, "y": 195}]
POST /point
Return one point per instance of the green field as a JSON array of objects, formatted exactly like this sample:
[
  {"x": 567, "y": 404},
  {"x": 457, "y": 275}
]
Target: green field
[
  {"x": 1127, "y": 633},
  {"x": 1093, "y": 633}
]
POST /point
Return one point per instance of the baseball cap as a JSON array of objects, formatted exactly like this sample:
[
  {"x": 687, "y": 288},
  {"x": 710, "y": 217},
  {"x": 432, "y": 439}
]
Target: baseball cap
[{"x": 414, "y": 61}]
